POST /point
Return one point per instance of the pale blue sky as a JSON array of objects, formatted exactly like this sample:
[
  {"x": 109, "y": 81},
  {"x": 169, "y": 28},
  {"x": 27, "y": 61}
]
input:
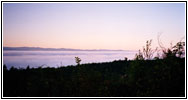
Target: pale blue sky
[{"x": 92, "y": 25}]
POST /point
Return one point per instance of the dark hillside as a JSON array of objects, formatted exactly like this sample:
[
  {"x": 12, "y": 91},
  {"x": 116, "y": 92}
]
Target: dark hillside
[{"x": 162, "y": 77}]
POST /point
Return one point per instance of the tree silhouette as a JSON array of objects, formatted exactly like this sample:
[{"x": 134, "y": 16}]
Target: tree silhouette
[
  {"x": 78, "y": 60},
  {"x": 179, "y": 49},
  {"x": 147, "y": 51},
  {"x": 139, "y": 56}
]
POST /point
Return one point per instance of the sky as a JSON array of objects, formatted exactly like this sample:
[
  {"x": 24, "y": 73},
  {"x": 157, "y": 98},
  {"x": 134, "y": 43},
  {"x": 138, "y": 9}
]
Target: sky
[{"x": 125, "y": 26}]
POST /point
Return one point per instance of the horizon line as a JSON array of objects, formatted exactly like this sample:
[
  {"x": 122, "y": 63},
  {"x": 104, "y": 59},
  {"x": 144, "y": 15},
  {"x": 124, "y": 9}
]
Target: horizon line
[{"x": 19, "y": 47}]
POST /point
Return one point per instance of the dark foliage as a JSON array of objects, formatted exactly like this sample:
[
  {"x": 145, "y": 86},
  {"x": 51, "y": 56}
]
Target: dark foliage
[{"x": 162, "y": 77}]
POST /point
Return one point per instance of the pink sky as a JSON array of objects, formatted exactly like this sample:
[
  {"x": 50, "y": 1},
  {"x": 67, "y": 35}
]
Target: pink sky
[{"x": 124, "y": 26}]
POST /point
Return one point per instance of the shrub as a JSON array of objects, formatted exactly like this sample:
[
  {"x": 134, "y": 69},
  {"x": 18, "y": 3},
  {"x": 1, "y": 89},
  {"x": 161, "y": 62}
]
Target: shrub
[{"x": 78, "y": 60}]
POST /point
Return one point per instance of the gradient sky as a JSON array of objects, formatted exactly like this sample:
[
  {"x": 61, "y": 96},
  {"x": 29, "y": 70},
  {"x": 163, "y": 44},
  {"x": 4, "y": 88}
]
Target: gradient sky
[{"x": 92, "y": 25}]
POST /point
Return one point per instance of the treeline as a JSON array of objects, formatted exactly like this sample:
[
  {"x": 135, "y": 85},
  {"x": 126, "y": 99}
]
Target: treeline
[{"x": 160, "y": 77}]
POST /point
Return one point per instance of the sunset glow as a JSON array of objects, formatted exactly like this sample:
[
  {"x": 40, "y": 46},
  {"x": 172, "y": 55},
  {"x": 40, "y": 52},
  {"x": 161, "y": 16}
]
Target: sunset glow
[{"x": 124, "y": 26}]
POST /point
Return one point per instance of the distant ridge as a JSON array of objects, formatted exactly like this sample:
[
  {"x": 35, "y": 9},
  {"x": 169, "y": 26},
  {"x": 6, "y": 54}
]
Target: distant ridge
[{"x": 54, "y": 49}]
